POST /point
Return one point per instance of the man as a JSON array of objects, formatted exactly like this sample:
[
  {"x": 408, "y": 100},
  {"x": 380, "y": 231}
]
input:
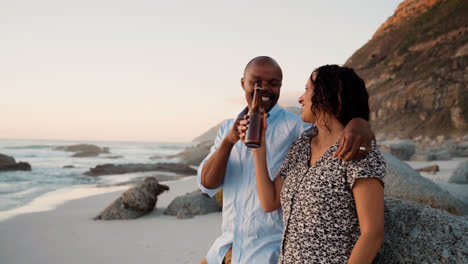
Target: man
[{"x": 253, "y": 235}]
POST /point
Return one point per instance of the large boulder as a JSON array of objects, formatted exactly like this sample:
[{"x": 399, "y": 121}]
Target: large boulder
[
  {"x": 190, "y": 204},
  {"x": 403, "y": 182},
  {"x": 415, "y": 233},
  {"x": 135, "y": 202},
  {"x": 108, "y": 169},
  {"x": 8, "y": 163},
  {"x": 402, "y": 149},
  {"x": 83, "y": 150},
  {"x": 460, "y": 175}
]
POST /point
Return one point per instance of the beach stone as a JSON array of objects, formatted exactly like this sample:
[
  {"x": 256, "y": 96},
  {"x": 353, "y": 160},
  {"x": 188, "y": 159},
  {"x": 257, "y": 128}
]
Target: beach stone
[
  {"x": 194, "y": 203},
  {"x": 403, "y": 182},
  {"x": 460, "y": 175},
  {"x": 460, "y": 149},
  {"x": 108, "y": 169},
  {"x": 8, "y": 163},
  {"x": 438, "y": 155},
  {"x": 415, "y": 233},
  {"x": 184, "y": 214},
  {"x": 400, "y": 148},
  {"x": 433, "y": 168},
  {"x": 135, "y": 202}
]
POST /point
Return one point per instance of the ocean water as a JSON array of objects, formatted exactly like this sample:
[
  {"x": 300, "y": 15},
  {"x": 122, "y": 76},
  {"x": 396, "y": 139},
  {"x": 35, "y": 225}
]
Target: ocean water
[{"x": 18, "y": 188}]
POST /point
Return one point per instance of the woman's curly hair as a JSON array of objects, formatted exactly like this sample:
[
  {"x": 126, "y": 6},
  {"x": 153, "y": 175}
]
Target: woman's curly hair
[{"x": 339, "y": 91}]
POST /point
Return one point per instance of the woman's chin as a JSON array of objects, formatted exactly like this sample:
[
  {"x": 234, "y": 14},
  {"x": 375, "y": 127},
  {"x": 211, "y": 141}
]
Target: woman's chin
[{"x": 306, "y": 119}]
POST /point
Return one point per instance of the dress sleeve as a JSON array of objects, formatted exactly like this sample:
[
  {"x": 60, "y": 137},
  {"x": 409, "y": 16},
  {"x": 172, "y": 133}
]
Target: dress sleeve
[{"x": 371, "y": 166}]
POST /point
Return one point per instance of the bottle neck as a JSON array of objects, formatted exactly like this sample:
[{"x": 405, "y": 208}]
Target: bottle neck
[{"x": 257, "y": 100}]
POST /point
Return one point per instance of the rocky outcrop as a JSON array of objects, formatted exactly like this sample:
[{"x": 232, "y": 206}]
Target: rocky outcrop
[
  {"x": 402, "y": 149},
  {"x": 416, "y": 70},
  {"x": 135, "y": 202},
  {"x": 190, "y": 204},
  {"x": 209, "y": 135},
  {"x": 419, "y": 234},
  {"x": 8, "y": 163},
  {"x": 192, "y": 155},
  {"x": 83, "y": 150},
  {"x": 402, "y": 182},
  {"x": 108, "y": 169},
  {"x": 460, "y": 175}
]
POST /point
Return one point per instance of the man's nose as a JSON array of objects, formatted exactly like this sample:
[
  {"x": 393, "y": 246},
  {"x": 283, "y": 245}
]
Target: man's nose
[{"x": 266, "y": 86}]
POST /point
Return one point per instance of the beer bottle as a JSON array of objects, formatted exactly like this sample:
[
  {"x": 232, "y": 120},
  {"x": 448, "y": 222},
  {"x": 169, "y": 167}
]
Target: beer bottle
[{"x": 253, "y": 137}]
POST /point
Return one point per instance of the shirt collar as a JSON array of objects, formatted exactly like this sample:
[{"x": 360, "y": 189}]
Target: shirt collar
[{"x": 273, "y": 111}]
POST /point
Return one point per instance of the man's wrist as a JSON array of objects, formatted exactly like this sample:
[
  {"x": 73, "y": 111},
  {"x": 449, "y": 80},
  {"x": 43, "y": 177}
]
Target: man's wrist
[{"x": 229, "y": 140}]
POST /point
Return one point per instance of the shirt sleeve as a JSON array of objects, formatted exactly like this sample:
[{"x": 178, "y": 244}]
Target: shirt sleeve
[
  {"x": 222, "y": 131},
  {"x": 371, "y": 166}
]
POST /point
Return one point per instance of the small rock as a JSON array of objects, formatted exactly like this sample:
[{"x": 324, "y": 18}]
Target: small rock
[
  {"x": 135, "y": 202},
  {"x": 460, "y": 149},
  {"x": 433, "y": 168},
  {"x": 194, "y": 203},
  {"x": 438, "y": 155},
  {"x": 402, "y": 149},
  {"x": 68, "y": 167},
  {"x": 460, "y": 175}
]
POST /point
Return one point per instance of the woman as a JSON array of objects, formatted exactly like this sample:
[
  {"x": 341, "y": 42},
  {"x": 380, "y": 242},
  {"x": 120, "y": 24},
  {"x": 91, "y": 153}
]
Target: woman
[{"x": 333, "y": 211}]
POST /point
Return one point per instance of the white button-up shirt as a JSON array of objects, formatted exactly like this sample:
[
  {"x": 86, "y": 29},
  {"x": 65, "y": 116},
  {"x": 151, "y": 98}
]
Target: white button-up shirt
[{"x": 255, "y": 236}]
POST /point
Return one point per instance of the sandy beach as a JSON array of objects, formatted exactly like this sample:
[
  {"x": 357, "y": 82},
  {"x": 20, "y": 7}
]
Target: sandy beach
[{"x": 68, "y": 234}]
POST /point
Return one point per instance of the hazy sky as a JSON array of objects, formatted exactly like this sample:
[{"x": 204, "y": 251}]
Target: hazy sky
[{"x": 159, "y": 70}]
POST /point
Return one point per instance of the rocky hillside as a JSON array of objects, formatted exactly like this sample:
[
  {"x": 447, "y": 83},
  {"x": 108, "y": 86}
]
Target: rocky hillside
[{"x": 415, "y": 68}]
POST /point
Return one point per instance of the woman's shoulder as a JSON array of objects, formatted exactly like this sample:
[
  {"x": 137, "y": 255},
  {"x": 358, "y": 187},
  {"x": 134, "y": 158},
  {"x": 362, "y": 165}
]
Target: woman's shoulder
[{"x": 304, "y": 138}]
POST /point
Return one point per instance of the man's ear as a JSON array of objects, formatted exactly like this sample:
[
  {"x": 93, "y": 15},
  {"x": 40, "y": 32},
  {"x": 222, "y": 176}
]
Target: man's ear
[{"x": 242, "y": 83}]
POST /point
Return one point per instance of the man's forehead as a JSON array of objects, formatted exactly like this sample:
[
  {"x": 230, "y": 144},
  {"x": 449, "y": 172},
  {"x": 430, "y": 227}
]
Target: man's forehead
[{"x": 261, "y": 70}]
